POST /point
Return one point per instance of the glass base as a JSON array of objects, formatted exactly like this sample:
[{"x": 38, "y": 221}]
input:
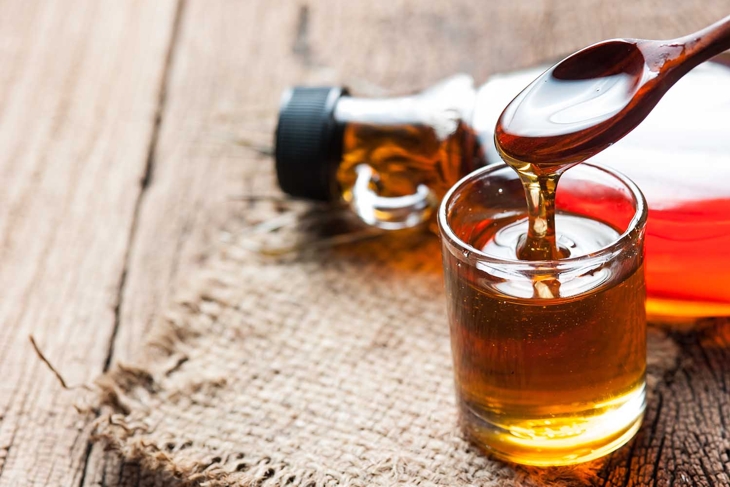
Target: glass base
[{"x": 554, "y": 440}]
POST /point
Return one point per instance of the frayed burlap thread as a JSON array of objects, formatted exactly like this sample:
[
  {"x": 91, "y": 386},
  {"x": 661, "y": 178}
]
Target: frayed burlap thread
[{"x": 331, "y": 368}]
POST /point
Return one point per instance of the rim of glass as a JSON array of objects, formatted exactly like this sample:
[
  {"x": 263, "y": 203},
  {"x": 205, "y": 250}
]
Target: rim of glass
[{"x": 639, "y": 219}]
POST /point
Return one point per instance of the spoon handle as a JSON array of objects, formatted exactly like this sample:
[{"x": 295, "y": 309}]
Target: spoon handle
[{"x": 705, "y": 44}]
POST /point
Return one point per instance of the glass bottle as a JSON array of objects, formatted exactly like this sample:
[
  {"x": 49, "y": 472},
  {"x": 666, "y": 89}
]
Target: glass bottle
[{"x": 392, "y": 160}]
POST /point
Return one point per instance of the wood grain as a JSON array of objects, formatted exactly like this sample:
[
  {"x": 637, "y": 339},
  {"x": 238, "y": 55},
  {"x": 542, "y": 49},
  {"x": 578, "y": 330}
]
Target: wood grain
[
  {"x": 220, "y": 93},
  {"x": 221, "y": 98},
  {"x": 684, "y": 439},
  {"x": 374, "y": 47},
  {"x": 79, "y": 87},
  {"x": 127, "y": 138}
]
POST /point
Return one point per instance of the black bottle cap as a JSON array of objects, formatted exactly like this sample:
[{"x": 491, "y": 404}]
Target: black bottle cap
[{"x": 309, "y": 142}]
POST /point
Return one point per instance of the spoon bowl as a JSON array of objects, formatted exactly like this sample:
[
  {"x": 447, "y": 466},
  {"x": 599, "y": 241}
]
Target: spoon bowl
[{"x": 593, "y": 98}]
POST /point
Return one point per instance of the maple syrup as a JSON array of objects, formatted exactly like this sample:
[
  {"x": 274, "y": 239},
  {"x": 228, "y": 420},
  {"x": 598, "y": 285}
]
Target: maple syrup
[
  {"x": 327, "y": 141},
  {"x": 549, "y": 356},
  {"x": 571, "y": 112},
  {"x": 556, "y": 377},
  {"x": 585, "y": 104}
]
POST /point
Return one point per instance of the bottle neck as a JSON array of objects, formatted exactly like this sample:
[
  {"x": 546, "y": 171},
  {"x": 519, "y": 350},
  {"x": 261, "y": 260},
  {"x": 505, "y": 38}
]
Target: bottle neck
[{"x": 406, "y": 110}]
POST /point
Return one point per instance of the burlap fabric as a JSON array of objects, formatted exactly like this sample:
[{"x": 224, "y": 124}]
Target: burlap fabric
[{"x": 331, "y": 367}]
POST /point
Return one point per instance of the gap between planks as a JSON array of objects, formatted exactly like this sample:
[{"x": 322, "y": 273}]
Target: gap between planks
[{"x": 144, "y": 186}]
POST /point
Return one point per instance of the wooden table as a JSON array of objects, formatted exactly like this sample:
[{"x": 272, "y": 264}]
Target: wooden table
[{"x": 131, "y": 131}]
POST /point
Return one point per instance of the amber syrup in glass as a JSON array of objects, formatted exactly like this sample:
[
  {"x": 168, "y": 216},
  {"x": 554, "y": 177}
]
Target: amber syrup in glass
[
  {"x": 559, "y": 377},
  {"x": 556, "y": 377}
]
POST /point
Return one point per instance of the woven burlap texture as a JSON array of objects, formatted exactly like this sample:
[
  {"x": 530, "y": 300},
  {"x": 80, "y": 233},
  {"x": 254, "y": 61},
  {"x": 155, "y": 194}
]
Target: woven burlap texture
[{"x": 329, "y": 368}]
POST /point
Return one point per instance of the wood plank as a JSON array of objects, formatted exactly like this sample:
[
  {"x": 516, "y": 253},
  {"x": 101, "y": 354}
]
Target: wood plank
[
  {"x": 231, "y": 62},
  {"x": 222, "y": 87},
  {"x": 214, "y": 96},
  {"x": 684, "y": 438},
  {"x": 226, "y": 80},
  {"x": 79, "y": 88}
]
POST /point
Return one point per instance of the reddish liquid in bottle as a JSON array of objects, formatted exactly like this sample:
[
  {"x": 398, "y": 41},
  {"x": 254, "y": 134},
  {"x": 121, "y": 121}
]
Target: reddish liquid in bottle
[{"x": 685, "y": 244}]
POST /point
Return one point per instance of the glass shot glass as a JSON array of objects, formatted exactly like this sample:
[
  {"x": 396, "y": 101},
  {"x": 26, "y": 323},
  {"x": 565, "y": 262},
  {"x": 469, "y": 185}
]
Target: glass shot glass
[{"x": 549, "y": 356}]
